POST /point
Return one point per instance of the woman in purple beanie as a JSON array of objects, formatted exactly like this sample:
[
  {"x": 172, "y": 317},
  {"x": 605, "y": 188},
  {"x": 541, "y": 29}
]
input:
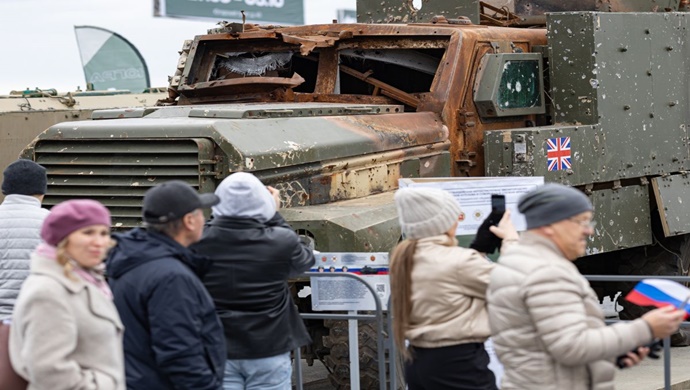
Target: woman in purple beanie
[{"x": 66, "y": 332}]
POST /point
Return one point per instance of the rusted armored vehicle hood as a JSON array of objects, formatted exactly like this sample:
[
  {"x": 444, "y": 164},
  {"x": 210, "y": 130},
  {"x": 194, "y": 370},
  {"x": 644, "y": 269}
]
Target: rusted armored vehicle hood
[{"x": 332, "y": 115}]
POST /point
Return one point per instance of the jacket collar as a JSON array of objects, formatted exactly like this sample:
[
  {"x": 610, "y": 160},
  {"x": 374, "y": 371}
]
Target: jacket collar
[
  {"x": 236, "y": 223},
  {"x": 440, "y": 239},
  {"x": 42, "y": 265},
  {"x": 197, "y": 263},
  {"x": 530, "y": 238},
  {"x": 98, "y": 303},
  {"x": 22, "y": 199}
]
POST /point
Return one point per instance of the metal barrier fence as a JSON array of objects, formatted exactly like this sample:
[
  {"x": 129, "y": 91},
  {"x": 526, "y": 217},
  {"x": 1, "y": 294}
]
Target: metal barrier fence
[
  {"x": 352, "y": 318},
  {"x": 389, "y": 345},
  {"x": 637, "y": 278}
]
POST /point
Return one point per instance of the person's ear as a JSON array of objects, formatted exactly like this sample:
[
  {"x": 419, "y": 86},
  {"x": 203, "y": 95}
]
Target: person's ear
[
  {"x": 547, "y": 230},
  {"x": 188, "y": 221}
]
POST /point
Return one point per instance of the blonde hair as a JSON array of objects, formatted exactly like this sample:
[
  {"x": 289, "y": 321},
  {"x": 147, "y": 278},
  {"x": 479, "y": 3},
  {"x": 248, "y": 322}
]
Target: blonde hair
[
  {"x": 63, "y": 259},
  {"x": 401, "y": 292}
]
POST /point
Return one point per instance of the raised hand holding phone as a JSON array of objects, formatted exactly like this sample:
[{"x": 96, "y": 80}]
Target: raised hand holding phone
[{"x": 485, "y": 240}]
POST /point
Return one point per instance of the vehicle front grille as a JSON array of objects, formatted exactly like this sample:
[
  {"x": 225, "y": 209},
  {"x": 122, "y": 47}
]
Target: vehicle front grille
[{"x": 117, "y": 173}]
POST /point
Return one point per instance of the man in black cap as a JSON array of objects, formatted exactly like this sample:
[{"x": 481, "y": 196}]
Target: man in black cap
[
  {"x": 21, "y": 217},
  {"x": 173, "y": 337},
  {"x": 548, "y": 328}
]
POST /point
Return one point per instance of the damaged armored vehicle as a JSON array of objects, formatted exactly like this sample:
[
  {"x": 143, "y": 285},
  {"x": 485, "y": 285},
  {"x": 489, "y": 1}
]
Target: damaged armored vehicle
[{"x": 334, "y": 114}]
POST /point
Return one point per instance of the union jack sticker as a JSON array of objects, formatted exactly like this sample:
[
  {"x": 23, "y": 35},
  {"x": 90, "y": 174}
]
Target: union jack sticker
[{"x": 558, "y": 153}]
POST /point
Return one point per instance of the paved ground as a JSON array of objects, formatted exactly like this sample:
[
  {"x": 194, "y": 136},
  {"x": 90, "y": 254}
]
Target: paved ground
[
  {"x": 314, "y": 377},
  {"x": 649, "y": 375}
]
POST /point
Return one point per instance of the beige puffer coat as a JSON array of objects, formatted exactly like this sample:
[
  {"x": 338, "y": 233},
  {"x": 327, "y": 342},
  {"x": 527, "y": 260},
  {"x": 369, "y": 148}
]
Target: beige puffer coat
[
  {"x": 448, "y": 294},
  {"x": 547, "y": 326}
]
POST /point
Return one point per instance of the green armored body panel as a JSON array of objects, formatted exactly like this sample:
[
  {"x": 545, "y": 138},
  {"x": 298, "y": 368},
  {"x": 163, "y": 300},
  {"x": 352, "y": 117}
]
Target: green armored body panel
[{"x": 620, "y": 114}]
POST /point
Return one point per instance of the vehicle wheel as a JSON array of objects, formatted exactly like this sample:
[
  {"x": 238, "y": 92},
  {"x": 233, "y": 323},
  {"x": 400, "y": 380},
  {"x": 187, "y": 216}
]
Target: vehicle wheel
[{"x": 338, "y": 360}]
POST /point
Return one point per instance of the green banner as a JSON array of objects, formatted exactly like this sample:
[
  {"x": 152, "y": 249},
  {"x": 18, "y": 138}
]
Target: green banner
[
  {"x": 284, "y": 12},
  {"x": 110, "y": 61}
]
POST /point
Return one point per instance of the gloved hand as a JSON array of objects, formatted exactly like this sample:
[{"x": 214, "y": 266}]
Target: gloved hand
[{"x": 485, "y": 241}]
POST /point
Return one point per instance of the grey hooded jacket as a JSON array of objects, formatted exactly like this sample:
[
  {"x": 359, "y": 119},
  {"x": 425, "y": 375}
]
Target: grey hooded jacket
[{"x": 21, "y": 217}]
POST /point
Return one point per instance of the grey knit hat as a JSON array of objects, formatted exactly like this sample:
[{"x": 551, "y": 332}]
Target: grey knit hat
[
  {"x": 551, "y": 203},
  {"x": 24, "y": 177},
  {"x": 425, "y": 212}
]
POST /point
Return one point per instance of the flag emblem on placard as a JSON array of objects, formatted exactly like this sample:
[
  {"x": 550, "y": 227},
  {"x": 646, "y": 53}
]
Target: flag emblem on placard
[{"x": 558, "y": 153}]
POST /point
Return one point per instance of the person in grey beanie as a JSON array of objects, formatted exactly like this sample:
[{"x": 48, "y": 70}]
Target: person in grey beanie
[
  {"x": 254, "y": 253},
  {"x": 438, "y": 294},
  {"x": 546, "y": 323},
  {"x": 21, "y": 216}
]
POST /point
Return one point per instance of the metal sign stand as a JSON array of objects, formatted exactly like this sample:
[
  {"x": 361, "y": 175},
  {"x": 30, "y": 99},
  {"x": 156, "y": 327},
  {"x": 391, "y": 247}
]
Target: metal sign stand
[{"x": 353, "y": 331}]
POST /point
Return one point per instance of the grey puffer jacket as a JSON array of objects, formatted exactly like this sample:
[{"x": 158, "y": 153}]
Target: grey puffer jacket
[
  {"x": 21, "y": 217},
  {"x": 547, "y": 326}
]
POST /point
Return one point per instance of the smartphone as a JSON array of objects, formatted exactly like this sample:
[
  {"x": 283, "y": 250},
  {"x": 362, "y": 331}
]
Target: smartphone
[{"x": 498, "y": 204}]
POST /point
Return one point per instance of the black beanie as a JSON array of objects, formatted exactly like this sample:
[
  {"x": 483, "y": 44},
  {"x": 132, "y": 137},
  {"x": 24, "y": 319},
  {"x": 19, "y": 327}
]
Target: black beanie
[
  {"x": 24, "y": 177},
  {"x": 552, "y": 203}
]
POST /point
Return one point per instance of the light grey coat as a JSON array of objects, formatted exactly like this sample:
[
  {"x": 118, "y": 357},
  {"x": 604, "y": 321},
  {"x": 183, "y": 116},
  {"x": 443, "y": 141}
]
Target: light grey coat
[
  {"x": 21, "y": 217},
  {"x": 547, "y": 326},
  {"x": 66, "y": 334}
]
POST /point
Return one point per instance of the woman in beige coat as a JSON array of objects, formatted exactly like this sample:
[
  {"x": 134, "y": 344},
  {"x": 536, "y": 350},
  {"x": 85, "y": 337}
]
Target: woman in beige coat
[
  {"x": 66, "y": 333},
  {"x": 438, "y": 292}
]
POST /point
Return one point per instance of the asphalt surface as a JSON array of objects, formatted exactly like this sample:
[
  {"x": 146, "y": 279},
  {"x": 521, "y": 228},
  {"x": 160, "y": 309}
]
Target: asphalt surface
[{"x": 313, "y": 378}]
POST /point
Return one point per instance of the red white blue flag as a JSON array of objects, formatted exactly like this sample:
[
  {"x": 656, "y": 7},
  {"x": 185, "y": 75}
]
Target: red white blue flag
[
  {"x": 558, "y": 153},
  {"x": 659, "y": 293}
]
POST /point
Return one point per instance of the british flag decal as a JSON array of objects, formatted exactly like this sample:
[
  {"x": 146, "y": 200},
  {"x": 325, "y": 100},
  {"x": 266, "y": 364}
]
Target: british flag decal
[{"x": 558, "y": 153}]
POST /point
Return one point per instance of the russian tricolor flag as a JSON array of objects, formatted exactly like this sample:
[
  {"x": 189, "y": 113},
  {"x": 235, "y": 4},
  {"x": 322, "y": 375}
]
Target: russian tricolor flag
[{"x": 659, "y": 293}]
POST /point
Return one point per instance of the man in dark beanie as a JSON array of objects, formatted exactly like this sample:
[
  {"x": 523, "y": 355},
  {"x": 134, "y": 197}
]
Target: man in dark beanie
[
  {"x": 21, "y": 216},
  {"x": 548, "y": 328}
]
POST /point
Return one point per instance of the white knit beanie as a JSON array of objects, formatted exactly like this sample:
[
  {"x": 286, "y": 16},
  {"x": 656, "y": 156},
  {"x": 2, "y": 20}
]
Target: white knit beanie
[
  {"x": 243, "y": 195},
  {"x": 425, "y": 212}
]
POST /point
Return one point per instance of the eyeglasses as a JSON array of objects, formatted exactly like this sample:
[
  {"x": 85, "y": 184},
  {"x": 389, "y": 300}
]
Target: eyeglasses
[{"x": 585, "y": 223}]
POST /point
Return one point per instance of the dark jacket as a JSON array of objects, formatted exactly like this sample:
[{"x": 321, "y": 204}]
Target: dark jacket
[
  {"x": 173, "y": 338},
  {"x": 252, "y": 262}
]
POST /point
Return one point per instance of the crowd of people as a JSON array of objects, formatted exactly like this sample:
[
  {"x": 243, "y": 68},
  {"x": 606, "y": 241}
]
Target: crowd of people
[
  {"x": 186, "y": 303},
  {"x": 181, "y": 303}
]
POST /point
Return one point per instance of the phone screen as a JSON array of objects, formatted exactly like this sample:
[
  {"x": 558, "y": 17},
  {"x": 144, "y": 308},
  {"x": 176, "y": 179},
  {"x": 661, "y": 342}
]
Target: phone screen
[{"x": 498, "y": 204}]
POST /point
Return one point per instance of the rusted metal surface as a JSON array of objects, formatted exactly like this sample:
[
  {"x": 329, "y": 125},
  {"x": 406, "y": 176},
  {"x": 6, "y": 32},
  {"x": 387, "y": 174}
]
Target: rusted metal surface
[
  {"x": 449, "y": 94},
  {"x": 497, "y": 16}
]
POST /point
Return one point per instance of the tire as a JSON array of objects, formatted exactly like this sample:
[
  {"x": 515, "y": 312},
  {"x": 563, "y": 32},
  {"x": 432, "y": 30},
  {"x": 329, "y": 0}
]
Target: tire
[{"x": 338, "y": 360}]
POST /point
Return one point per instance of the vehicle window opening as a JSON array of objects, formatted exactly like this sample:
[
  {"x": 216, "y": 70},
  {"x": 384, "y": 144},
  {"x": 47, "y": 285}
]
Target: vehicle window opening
[
  {"x": 285, "y": 64},
  {"x": 411, "y": 71}
]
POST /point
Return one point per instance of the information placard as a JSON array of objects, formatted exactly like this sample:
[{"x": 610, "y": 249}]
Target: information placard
[
  {"x": 341, "y": 293},
  {"x": 474, "y": 196}
]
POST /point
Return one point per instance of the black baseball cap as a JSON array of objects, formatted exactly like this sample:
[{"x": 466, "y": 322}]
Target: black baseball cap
[{"x": 173, "y": 199}]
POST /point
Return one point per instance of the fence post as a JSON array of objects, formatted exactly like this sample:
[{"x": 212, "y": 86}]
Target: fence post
[
  {"x": 298, "y": 369},
  {"x": 667, "y": 363},
  {"x": 353, "y": 338}
]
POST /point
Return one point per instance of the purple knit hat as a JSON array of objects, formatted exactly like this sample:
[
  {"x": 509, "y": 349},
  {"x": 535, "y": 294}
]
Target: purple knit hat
[{"x": 66, "y": 217}]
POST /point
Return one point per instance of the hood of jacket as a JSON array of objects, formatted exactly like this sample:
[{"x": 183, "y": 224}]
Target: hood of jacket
[{"x": 139, "y": 246}]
